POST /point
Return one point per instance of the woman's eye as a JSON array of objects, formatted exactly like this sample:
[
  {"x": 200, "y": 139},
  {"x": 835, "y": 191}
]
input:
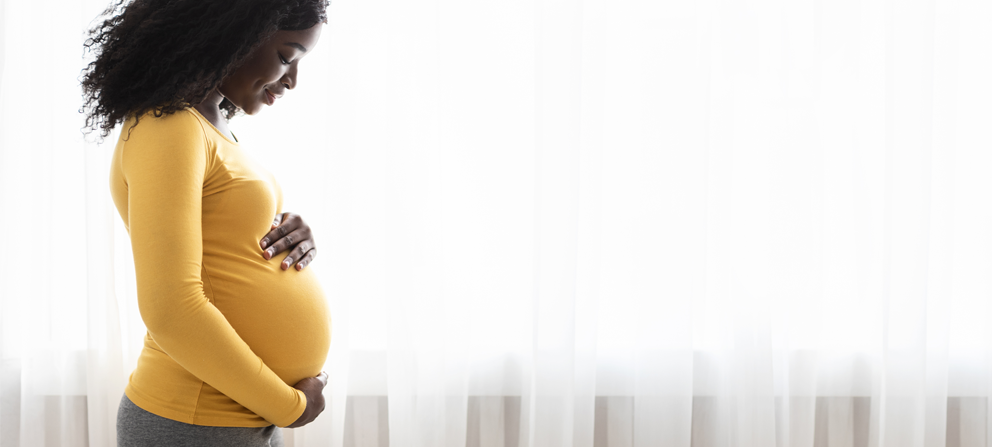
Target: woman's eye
[{"x": 283, "y": 60}]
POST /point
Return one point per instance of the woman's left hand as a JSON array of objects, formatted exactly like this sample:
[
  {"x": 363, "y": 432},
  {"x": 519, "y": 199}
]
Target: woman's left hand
[{"x": 289, "y": 232}]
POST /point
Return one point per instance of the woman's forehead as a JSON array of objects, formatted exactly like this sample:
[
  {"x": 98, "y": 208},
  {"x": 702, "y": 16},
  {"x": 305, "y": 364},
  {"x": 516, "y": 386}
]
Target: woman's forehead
[{"x": 303, "y": 40}]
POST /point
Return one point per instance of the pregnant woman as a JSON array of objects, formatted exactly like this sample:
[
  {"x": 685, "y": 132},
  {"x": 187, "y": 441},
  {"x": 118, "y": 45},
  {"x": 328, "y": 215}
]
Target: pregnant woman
[{"x": 236, "y": 336}]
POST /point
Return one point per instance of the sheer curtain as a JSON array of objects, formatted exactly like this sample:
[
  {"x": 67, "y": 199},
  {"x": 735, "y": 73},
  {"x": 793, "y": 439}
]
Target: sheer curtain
[{"x": 550, "y": 223}]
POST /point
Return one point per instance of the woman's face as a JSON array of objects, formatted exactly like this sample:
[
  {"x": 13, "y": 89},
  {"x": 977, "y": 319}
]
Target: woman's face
[{"x": 270, "y": 70}]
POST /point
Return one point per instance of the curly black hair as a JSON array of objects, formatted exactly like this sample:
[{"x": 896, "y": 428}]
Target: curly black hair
[{"x": 167, "y": 55}]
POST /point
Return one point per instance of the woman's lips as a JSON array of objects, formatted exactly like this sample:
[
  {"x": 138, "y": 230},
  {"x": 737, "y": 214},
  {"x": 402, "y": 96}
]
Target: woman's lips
[{"x": 270, "y": 97}]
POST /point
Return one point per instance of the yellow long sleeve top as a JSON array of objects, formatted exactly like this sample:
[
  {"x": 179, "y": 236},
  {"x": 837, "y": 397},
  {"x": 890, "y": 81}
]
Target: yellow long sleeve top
[{"x": 229, "y": 332}]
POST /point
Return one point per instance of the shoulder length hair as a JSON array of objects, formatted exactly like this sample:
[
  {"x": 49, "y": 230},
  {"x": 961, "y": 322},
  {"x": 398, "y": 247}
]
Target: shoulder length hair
[{"x": 167, "y": 55}]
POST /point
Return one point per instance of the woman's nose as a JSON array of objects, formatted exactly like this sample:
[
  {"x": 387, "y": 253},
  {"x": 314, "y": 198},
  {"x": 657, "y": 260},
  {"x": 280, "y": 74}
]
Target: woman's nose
[{"x": 290, "y": 79}]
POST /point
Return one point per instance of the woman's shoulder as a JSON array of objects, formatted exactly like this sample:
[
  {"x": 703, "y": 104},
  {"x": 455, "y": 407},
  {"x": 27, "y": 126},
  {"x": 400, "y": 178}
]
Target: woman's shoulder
[
  {"x": 174, "y": 142},
  {"x": 158, "y": 126},
  {"x": 180, "y": 120}
]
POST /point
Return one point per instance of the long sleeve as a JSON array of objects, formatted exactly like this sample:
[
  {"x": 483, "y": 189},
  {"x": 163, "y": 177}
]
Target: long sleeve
[{"x": 165, "y": 163}]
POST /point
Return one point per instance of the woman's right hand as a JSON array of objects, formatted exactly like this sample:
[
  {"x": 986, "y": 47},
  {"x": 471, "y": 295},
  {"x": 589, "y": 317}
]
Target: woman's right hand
[{"x": 313, "y": 388}]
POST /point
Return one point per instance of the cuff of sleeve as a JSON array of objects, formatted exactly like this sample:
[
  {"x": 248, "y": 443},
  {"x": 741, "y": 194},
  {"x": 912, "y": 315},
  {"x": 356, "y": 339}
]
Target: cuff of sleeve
[{"x": 296, "y": 412}]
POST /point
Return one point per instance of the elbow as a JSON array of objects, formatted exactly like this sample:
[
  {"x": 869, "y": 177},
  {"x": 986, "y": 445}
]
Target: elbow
[{"x": 164, "y": 312}]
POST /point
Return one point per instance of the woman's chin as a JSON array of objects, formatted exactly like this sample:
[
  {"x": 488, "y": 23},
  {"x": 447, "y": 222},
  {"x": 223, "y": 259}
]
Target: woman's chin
[
  {"x": 252, "y": 110},
  {"x": 249, "y": 107}
]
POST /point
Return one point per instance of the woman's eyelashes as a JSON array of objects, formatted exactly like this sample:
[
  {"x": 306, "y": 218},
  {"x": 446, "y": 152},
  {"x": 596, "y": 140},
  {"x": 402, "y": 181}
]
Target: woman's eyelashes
[{"x": 283, "y": 60}]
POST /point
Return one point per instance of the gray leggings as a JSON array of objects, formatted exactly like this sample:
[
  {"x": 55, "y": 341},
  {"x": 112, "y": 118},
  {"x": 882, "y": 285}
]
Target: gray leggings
[{"x": 139, "y": 428}]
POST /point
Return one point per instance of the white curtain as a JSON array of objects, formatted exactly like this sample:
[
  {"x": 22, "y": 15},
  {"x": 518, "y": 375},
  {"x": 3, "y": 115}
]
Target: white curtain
[{"x": 566, "y": 223}]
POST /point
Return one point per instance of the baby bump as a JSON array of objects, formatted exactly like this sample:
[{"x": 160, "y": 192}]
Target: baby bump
[{"x": 282, "y": 315}]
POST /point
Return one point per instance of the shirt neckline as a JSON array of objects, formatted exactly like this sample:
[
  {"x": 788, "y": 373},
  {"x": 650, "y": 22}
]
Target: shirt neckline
[{"x": 225, "y": 137}]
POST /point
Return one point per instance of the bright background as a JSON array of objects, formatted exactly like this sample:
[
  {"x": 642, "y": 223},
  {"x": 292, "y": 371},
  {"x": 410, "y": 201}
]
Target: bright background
[{"x": 565, "y": 223}]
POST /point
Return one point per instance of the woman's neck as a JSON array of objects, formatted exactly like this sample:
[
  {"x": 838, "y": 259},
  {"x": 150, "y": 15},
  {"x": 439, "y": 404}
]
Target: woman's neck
[{"x": 210, "y": 109}]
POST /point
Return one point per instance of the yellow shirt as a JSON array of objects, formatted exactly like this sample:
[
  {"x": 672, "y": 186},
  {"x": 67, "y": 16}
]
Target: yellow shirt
[{"x": 228, "y": 331}]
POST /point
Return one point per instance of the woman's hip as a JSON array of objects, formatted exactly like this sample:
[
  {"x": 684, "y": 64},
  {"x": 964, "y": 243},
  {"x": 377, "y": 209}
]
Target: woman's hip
[{"x": 139, "y": 428}]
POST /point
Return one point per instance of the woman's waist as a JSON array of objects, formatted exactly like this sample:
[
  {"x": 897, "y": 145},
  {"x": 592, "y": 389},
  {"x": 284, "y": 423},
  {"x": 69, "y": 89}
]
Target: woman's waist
[
  {"x": 293, "y": 350},
  {"x": 164, "y": 387}
]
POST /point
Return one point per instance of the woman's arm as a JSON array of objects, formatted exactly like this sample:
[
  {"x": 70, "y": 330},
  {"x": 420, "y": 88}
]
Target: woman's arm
[{"x": 165, "y": 162}]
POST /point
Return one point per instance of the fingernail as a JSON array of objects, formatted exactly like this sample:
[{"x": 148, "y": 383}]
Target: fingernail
[
  {"x": 288, "y": 262},
  {"x": 265, "y": 242}
]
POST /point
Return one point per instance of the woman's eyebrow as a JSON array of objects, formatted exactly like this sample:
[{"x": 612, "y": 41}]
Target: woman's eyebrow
[{"x": 297, "y": 46}]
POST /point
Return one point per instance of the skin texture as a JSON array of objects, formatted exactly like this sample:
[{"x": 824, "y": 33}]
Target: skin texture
[
  {"x": 289, "y": 232},
  {"x": 270, "y": 69},
  {"x": 269, "y": 72},
  {"x": 313, "y": 387}
]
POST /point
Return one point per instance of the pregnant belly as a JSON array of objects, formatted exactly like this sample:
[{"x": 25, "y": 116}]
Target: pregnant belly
[{"x": 282, "y": 315}]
